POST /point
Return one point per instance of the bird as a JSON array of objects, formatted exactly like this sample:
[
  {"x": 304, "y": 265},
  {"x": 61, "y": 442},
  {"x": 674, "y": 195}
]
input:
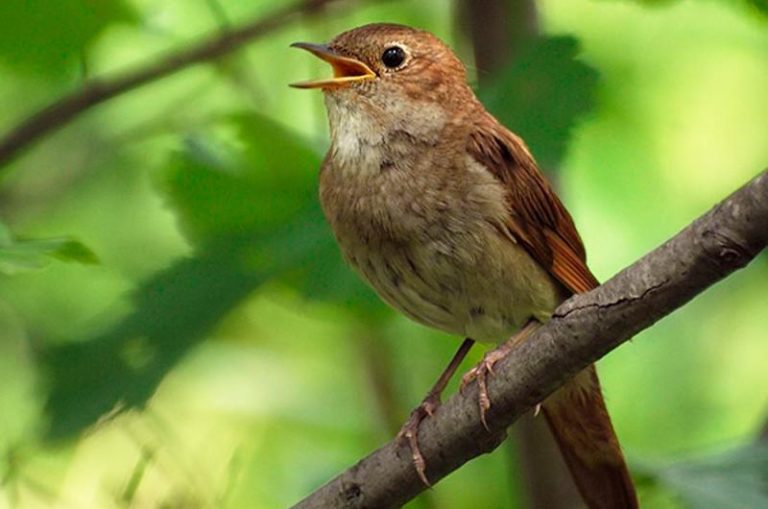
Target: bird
[{"x": 444, "y": 212}]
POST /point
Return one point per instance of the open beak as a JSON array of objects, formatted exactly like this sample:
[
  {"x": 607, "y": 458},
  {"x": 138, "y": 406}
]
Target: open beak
[{"x": 345, "y": 70}]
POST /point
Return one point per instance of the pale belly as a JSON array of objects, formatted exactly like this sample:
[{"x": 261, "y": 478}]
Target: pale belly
[
  {"x": 424, "y": 239},
  {"x": 476, "y": 284}
]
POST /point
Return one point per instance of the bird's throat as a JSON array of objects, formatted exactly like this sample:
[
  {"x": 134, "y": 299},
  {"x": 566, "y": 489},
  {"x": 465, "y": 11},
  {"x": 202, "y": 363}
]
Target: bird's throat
[
  {"x": 356, "y": 134},
  {"x": 369, "y": 135}
]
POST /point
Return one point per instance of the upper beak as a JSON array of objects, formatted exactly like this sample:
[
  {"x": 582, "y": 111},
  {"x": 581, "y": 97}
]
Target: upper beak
[{"x": 345, "y": 70}]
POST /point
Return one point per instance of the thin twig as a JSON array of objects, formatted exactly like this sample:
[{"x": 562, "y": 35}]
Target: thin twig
[
  {"x": 96, "y": 91},
  {"x": 583, "y": 329}
]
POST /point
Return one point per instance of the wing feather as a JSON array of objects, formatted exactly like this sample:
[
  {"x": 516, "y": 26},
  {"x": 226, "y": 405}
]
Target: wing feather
[{"x": 537, "y": 217}]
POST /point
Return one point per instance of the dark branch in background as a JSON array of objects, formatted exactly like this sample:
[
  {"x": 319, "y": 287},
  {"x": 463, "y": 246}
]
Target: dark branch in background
[
  {"x": 545, "y": 479},
  {"x": 498, "y": 29},
  {"x": 96, "y": 91},
  {"x": 583, "y": 329}
]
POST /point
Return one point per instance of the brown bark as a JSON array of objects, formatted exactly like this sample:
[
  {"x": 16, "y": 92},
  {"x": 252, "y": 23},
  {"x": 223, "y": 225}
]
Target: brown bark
[
  {"x": 498, "y": 29},
  {"x": 583, "y": 329}
]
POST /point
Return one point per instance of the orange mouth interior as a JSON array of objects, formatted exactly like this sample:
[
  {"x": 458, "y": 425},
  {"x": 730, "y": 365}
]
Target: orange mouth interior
[{"x": 345, "y": 70}]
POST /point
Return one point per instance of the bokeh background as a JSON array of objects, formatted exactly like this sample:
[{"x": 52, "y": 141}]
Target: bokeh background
[{"x": 177, "y": 329}]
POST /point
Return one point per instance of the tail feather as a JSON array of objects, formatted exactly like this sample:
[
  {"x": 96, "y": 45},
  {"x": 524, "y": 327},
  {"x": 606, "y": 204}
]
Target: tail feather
[{"x": 579, "y": 420}]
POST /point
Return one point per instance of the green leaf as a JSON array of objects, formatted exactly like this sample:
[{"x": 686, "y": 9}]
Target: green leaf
[
  {"x": 760, "y": 5},
  {"x": 220, "y": 192},
  {"x": 735, "y": 479},
  {"x": 122, "y": 367},
  {"x": 46, "y": 36},
  {"x": 18, "y": 255},
  {"x": 265, "y": 192},
  {"x": 253, "y": 216},
  {"x": 656, "y": 3},
  {"x": 543, "y": 94}
]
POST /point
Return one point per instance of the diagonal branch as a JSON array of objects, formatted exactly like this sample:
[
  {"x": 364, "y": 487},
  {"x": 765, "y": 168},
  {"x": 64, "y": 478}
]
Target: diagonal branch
[
  {"x": 584, "y": 328},
  {"x": 97, "y": 91}
]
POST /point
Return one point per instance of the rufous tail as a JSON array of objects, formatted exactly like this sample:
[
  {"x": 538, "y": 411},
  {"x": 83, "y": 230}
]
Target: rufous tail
[{"x": 579, "y": 420}]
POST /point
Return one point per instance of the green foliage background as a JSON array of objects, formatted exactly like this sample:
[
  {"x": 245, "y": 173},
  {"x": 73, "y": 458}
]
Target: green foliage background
[{"x": 163, "y": 259}]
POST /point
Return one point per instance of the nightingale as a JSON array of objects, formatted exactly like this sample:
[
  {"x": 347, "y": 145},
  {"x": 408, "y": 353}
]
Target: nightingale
[{"x": 444, "y": 212}]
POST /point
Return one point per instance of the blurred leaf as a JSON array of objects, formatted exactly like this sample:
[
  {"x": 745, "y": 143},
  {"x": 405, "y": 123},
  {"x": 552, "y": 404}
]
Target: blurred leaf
[
  {"x": 760, "y": 5},
  {"x": 218, "y": 192},
  {"x": 736, "y": 479},
  {"x": 542, "y": 95},
  {"x": 655, "y": 3},
  {"x": 175, "y": 310},
  {"x": 17, "y": 255},
  {"x": 46, "y": 36},
  {"x": 266, "y": 192},
  {"x": 253, "y": 216}
]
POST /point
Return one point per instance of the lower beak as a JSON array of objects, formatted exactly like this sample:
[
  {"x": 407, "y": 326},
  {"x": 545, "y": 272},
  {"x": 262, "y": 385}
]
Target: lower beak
[{"x": 345, "y": 70}]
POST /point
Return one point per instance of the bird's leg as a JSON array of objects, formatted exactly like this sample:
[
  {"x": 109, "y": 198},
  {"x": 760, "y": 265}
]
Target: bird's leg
[
  {"x": 485, "y": 367},
  {"x": 410, "y": 430}
]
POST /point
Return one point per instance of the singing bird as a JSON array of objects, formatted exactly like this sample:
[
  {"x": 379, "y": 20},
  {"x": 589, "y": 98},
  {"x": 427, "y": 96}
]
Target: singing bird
[{"x": 444, "y": 212}]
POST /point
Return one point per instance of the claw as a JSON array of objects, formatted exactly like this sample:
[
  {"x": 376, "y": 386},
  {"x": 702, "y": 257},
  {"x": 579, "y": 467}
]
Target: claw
[
  {"x": 480, "y": 374},
  {"x": 416, "y": 457},
  {"x": 409, "y": 433}
]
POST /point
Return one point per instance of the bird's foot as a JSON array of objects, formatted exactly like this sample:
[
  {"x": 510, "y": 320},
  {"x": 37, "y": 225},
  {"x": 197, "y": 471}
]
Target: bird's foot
[
  {"x": 409, "y": 433},
  {"x": 480, "y": 374},
  {"x": 485, "y": 367}
]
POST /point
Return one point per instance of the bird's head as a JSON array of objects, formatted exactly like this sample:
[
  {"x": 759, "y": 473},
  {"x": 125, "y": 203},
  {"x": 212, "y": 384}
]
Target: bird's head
[{"x": 391, "y": 77}]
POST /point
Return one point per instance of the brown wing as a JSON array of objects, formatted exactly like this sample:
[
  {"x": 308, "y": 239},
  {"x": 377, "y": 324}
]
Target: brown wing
[
  {"x": 576, "y": 412},
  {"x": 538, "y": 220}
]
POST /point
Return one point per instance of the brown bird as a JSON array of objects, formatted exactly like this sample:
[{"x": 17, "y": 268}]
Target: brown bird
[{"x": 444, "y": 212}]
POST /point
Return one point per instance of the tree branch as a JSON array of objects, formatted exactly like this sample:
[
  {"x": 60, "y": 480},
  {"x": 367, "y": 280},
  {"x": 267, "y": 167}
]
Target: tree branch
[
  {"x": 583, "y": 329},
  {"x": 96, "y": 91},
  {"x": 498, "y": 29}
]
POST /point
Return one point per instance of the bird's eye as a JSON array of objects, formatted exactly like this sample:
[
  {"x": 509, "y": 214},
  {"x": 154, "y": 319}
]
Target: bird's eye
[{"x": 393, "y": 57}]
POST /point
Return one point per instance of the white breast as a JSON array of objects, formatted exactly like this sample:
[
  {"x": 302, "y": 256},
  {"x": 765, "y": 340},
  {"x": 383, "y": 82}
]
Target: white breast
[{"x": 353, "y": 132}]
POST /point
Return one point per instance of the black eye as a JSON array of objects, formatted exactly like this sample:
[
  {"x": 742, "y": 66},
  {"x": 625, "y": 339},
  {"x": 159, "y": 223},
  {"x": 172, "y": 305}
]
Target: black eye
[{"x": 393, "y": 56}]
